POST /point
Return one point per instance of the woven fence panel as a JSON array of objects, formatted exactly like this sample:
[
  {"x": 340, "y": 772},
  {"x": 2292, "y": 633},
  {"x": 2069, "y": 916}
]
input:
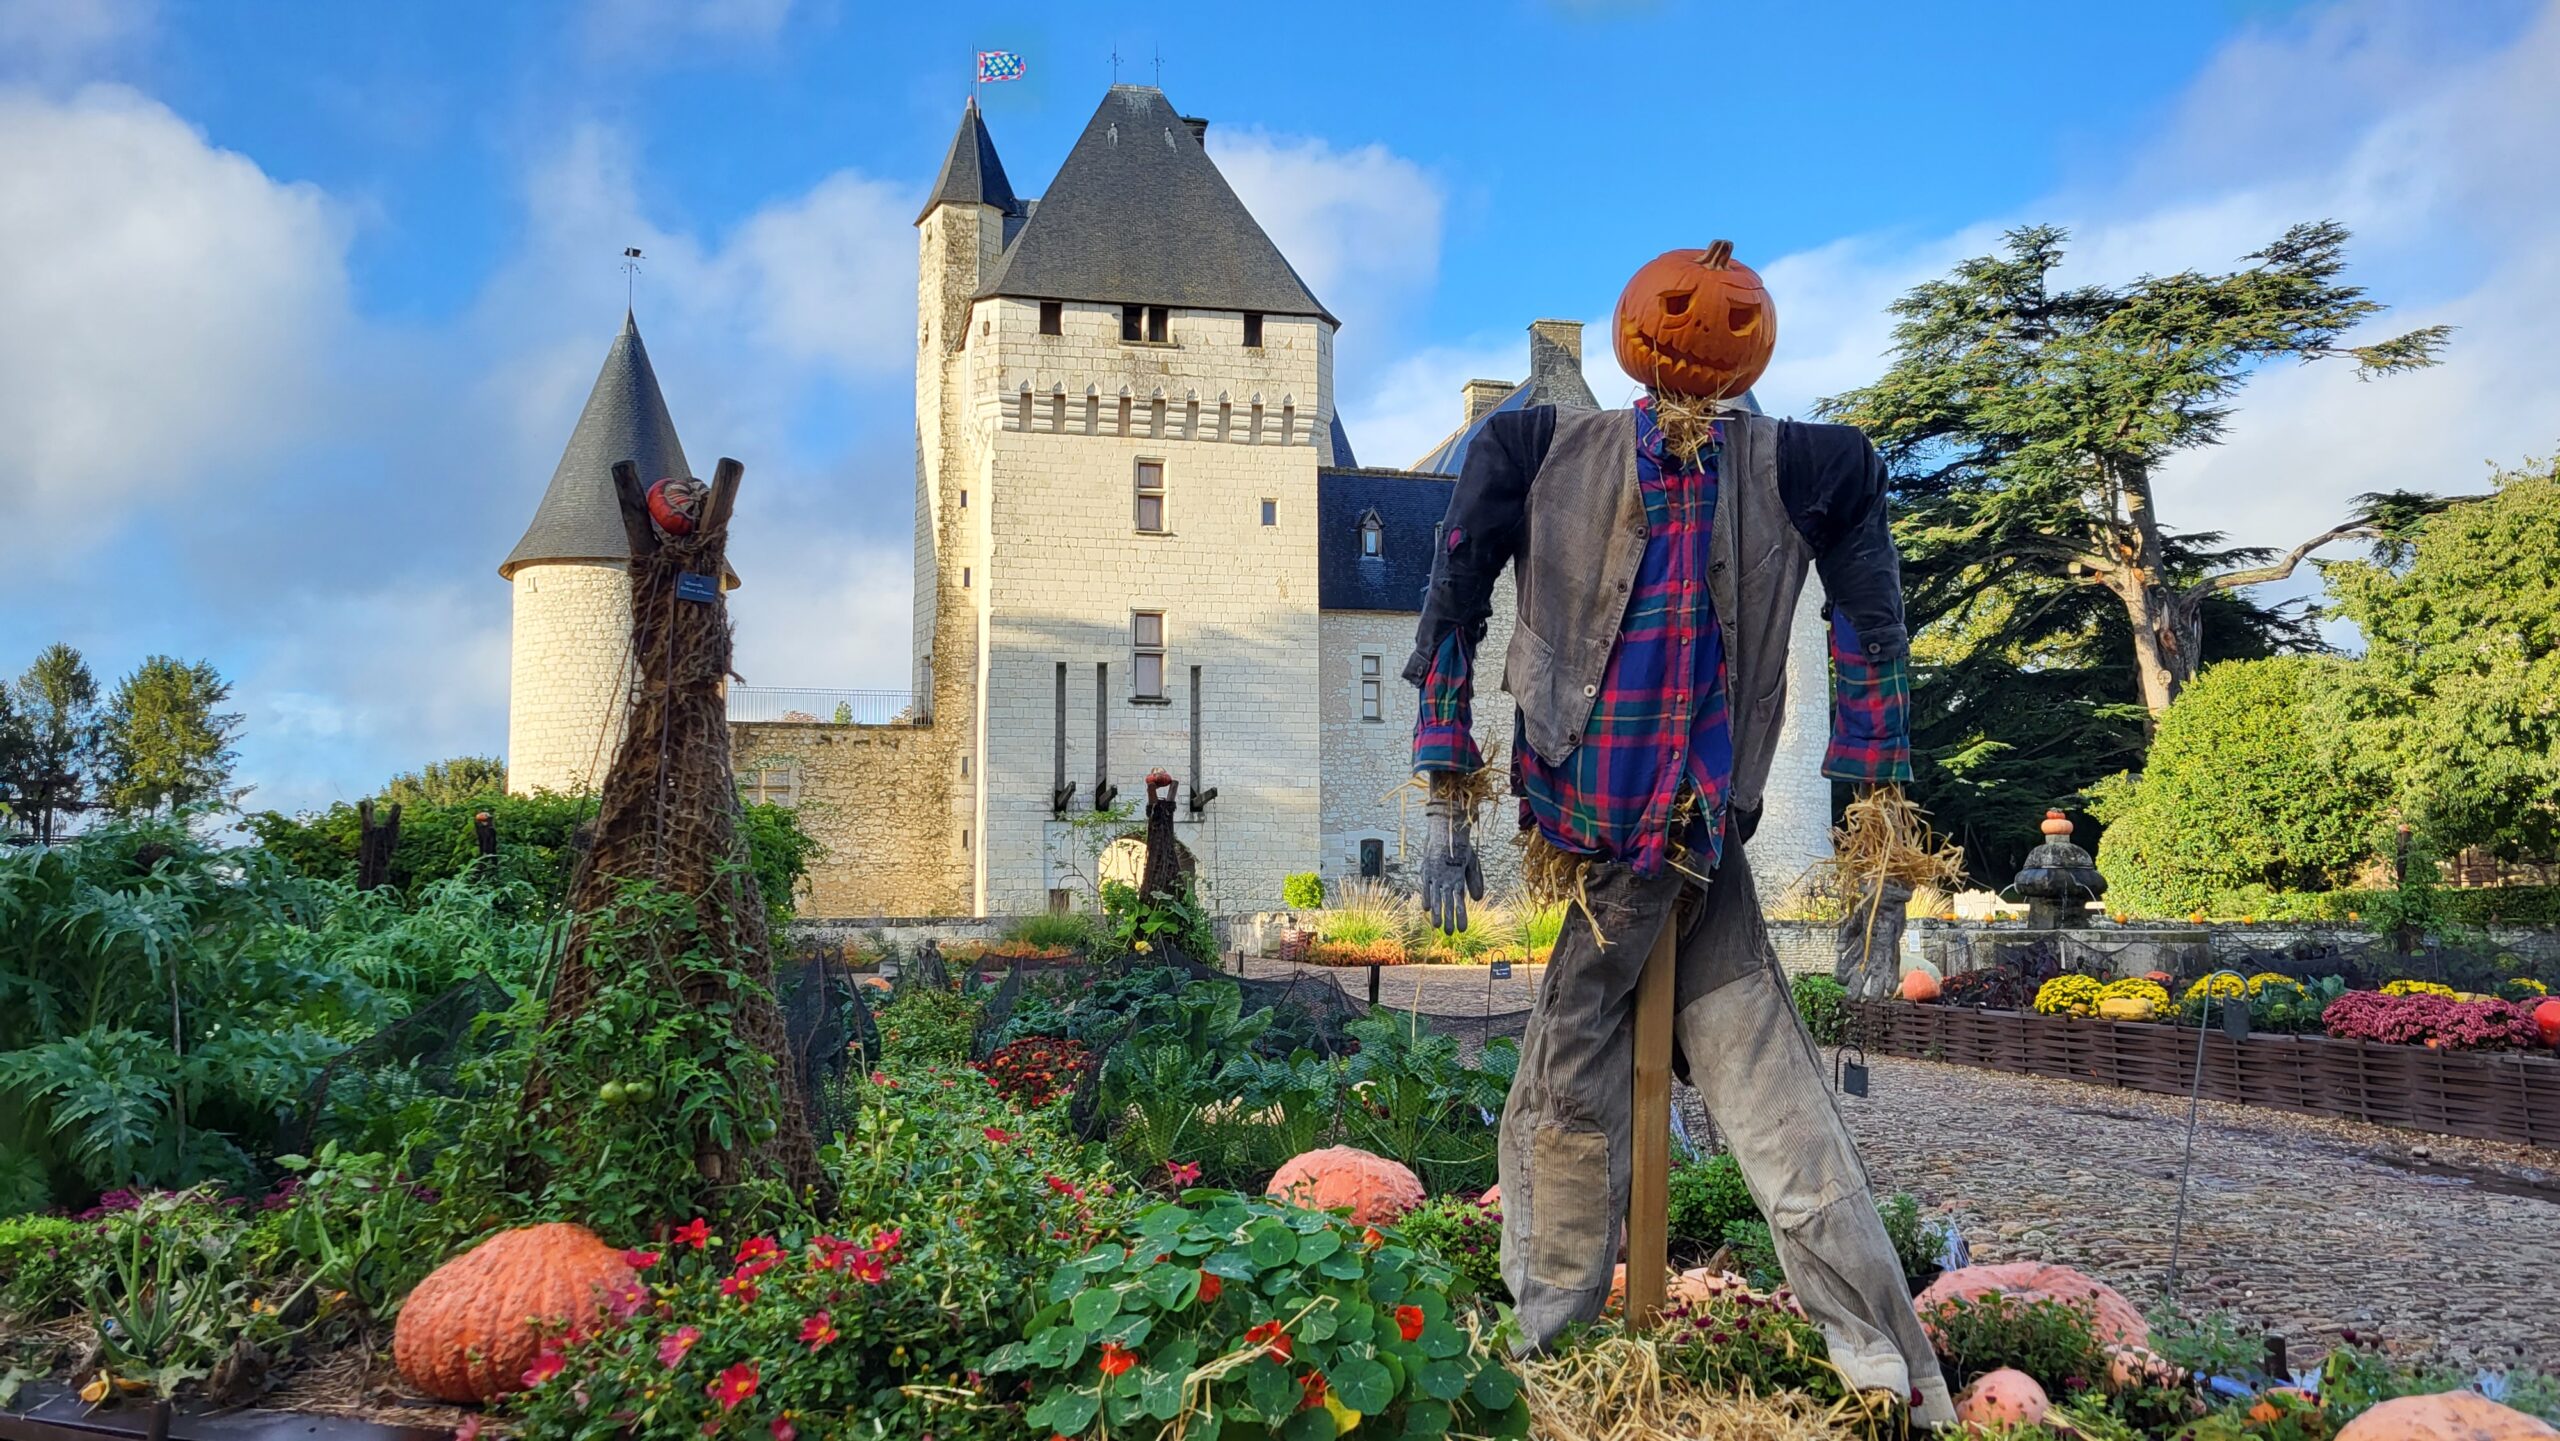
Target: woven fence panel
[{"x": 2496, "y": 1096}]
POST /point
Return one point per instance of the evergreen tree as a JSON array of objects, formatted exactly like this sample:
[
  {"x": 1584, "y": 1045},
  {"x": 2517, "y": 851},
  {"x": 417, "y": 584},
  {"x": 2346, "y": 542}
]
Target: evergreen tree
[
  {"x": 49, "y": 742},
  {"x": 2026, "y": 423},
  {"x": 166, "y": 744},
  {"x": 449, "y": 782}
]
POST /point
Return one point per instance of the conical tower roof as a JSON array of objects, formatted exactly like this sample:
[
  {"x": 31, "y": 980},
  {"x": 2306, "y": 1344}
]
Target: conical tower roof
[
  {"x": 971, "y": 173},
  {"x": 625, "y": 419},
  {"x": 1139, "y": 216}
]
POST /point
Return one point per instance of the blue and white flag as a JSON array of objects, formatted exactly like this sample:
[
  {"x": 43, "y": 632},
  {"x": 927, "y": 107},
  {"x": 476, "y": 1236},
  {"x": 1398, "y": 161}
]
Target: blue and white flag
[{"x": 999, "y": 65}]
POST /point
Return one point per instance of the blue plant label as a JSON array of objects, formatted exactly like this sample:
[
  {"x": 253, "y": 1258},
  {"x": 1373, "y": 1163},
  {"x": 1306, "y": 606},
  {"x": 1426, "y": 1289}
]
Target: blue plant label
[
  {"x": 1502, "y": 970},
  {"x": 696, "y": 587}
]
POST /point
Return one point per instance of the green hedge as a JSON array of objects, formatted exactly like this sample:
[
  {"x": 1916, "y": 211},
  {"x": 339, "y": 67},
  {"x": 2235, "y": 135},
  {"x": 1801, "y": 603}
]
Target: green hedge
[{"x": 2477, "y": 906}]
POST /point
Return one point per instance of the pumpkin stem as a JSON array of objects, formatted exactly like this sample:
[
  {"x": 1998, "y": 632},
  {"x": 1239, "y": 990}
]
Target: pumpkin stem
[{"x": 1719, "y": 255}]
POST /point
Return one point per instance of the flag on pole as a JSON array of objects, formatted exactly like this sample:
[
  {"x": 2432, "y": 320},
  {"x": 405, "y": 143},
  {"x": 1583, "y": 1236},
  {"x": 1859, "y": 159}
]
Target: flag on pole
[{"x": 999, "y": 65}]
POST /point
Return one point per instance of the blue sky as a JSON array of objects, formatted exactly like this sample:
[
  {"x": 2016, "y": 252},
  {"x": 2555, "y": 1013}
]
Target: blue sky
[{"x": 319, "y": 287}]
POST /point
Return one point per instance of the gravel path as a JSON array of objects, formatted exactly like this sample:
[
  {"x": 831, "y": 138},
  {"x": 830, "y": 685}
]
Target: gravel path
[{"x": 2304, "y": 1226}]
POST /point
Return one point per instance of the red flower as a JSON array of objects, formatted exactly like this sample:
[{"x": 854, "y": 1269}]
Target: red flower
[
  {"x": 1271, "y": 1337},
  {"x": 757, "y": 1255},
  {"x": 544, "y": 1367},
  {"x": 469, "y": 1430},
  {"x": 734, "y": 1385},
  {"x": 740, "y": 1287},
  {"x": 782, "y": 1428},
  {"x": 999, "y": 1134},
  {"x": 1311, "y": 1390},
  {"x": 639, "y": 1260},
  {"x": 696, "y": 1233},
  {"x": 1116, "y": 1358},
  {"x": 680, "y": 1340},
  {"x": 1181, "y": 1173},
  {"x": 819, "y": 1329},
  {"x": 1371, "y": 1239},
  {"x": 1409, "y": 1322},
  {"x": 1063, "y": 1186},
  {"x": 1210, "y": 1286},
  {"x": 624, "y": 1301}
]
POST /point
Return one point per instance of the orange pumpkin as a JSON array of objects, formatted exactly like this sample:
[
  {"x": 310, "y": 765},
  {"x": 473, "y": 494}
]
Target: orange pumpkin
[
  {"x": 2450, "y": 1416},
  {"x": 1374, "y": 1189},
  {"x": 2546, "y": 1019},
  {"x": 1694, "y": 323},
  {"x": 2114, "y": 1318},
  {"x": 2003, "y": 1397},
  {"x": 1919, "y": 986},
  {"x": 474, "y": 1326}
]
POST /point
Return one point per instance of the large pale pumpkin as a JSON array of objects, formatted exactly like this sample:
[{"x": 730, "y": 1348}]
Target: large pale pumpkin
[
  {"x": 2003, "y": 1398},
  {"x": 474, "y": 1326},
  {"x": 2450, "y": 1416},
  {"x": 1374, "y": 1189},
  {"x": 2114, "y": 1318},
  {"x": 1696, "y": 323}
]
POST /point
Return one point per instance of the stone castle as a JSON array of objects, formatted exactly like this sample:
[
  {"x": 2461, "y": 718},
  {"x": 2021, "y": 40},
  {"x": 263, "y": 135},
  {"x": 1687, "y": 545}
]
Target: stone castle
[{"x": 1142, "y": 542}]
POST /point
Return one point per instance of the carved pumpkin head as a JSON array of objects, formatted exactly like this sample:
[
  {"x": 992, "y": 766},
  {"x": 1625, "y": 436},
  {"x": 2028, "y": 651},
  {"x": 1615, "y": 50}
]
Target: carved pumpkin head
[
  {"x": 675, "y": 503},
  {"x": 1694, "y": 323}
]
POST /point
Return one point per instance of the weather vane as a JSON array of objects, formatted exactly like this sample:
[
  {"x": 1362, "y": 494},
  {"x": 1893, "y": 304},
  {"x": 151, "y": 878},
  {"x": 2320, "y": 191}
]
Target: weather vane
[
  {"x": 1115, "y": 64},
  {"x": 630, "y": 275}
]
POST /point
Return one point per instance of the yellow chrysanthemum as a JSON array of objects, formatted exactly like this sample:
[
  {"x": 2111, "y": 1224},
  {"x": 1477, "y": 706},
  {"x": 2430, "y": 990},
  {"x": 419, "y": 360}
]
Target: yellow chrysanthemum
[
  {"x": 2069, "y": 996},
  {"x": 2417, "y": 988},
  {"x": 2141, "y": 988},
  {"x": 2218, "y": 984}
]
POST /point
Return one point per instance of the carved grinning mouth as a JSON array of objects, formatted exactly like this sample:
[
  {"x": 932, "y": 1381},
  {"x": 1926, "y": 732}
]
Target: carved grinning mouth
[{"x": 1677, "y": 373}]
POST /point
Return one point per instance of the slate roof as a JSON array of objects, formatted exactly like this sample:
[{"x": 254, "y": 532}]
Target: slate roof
[
  {"x": 1451, "y": 456},
  {"x": 1408, "y": 507},
  {"x": 1138, "y": 215},
  {"x": 625, "y": 419},
  {"x": 971, "y": 173}
]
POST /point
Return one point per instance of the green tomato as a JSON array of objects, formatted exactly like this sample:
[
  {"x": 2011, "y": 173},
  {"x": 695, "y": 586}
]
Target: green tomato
[
  {"x": 764, "y": 1129},
  {"x": 638, "y": 1091},
  {"x": 611, "y": 1093}
]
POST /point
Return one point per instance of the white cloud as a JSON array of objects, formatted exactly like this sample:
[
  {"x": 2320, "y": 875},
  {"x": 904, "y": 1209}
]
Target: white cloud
[
  {"x": 56, "y": 40},
  {"x": 1407, "y": 408},
  {"x": 170, "y": 307},
  {"x": 1361, "y": 225}
]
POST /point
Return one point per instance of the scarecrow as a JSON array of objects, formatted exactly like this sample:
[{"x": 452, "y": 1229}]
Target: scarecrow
[{"x": 1658, "y": 555}]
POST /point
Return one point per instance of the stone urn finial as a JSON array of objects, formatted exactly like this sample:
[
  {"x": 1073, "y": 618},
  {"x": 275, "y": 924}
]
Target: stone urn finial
[{"x": 2058, "y": 878}]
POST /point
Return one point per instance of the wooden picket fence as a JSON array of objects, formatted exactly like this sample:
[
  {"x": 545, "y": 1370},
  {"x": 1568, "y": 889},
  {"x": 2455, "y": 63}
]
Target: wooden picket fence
[{"x": 2491, "y": 1095}]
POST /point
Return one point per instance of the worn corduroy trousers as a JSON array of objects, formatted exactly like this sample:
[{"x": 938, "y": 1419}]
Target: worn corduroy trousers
[{"x": 1564, "y": 1141}]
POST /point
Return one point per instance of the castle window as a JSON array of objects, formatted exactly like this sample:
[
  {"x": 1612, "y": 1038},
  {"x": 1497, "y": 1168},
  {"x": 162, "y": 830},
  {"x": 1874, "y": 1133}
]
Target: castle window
[
  {"x": 1373, "y": 858},
  {"x": 1131, "y": 318},
  {"x": 1053, "y": 317},
  {"x": 964, "y": 577},
  {"x": 1271, "y": 512},
  {"x": 964, "y": 500},
  {"x": 1373, "y": 535},
  {"x": 1146, "y": 644},
  {"x": 1151, "y": 496},
  {"x": 1253, "y": 330},
  {"x": 1371, "y": 678},
  {"x": 1156, "y": 317},
  {"x": 774, "y": 784}
]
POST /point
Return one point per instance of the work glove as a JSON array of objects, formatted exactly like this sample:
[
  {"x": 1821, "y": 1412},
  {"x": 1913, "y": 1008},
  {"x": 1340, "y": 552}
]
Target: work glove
[{"x": 1450, "y": 871}]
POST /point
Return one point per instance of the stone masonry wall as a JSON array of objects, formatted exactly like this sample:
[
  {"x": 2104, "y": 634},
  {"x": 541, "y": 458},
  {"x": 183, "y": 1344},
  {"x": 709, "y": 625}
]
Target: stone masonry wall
[
  {"x": 875, "y": 797},
  {"x": 1795, "y": 806},
  {"x": 569, "y": 674}
]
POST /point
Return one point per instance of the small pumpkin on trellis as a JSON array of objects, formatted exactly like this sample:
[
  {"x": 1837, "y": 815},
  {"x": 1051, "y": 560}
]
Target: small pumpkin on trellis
[{"x": 477, "y": 1323}]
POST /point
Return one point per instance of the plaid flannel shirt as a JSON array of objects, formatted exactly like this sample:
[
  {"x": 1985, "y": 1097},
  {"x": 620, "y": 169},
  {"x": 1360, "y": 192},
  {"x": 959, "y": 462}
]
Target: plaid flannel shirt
[{"x": 1661, "y": 716}]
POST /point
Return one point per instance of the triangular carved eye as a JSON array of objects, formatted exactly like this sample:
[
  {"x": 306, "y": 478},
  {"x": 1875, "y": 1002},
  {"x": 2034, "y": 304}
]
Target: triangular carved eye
[
  {"x": 1742, "y": 319},
  {"x": 1676, "y": 303}
]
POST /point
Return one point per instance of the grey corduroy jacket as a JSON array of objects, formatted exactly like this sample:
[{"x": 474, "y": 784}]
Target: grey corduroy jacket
[{"x": 1553, "y": 493}]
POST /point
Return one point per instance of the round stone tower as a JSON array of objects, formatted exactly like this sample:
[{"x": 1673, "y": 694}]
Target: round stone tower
[{"x": 569, "y": 677}]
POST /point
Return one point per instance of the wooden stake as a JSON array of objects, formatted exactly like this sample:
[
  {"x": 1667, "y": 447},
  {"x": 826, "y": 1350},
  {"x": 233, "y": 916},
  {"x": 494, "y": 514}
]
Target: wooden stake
[{"x": 1649, "y": 1195}]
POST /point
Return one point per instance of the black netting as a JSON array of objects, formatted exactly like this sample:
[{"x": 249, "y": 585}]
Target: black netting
[
  {"x": 421, "y": 1055},
  {"x": 819, "y": 1000}
]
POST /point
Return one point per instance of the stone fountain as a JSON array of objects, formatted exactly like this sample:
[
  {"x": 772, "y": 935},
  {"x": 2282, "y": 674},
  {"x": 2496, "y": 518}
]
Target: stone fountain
[{"x": 2058, "y": 883}]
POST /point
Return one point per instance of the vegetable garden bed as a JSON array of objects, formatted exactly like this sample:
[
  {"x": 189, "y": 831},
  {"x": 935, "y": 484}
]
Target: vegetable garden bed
[{"x": 2496, "y": 1096}]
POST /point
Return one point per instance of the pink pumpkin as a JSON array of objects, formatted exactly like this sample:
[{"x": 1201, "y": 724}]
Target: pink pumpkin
[
  {"x": 1372, "y": 1188},
  {"x": 2003, "y": 1398},
  {"x": 2451, "y": 1416},
  {"x": 2115, "y": 1320},
  {"x": 2129, "y": 1367},
  {"x": 1491, "y": 1200}
]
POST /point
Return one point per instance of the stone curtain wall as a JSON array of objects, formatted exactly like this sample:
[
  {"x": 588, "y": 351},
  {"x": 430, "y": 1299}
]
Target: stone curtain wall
[
  {"x": 875, "y": 797},
  {"x": 1795, "y": 807},
  {"x": 569, "y": 676}
]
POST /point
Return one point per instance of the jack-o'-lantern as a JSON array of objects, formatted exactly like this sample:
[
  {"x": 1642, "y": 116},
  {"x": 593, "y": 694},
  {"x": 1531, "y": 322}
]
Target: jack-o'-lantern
[{"x": 1694, "y": 323}]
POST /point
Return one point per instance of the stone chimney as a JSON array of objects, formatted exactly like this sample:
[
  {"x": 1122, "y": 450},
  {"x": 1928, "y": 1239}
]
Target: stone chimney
[
  {"x": 1555, "y": 363},
  {"x": 1484, "y": 395},
  {"x": 1198, "y": 125}
]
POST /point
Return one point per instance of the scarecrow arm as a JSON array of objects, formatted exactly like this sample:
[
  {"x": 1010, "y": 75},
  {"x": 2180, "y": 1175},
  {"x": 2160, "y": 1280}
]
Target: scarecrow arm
[{"x": 1834, "y": 485}]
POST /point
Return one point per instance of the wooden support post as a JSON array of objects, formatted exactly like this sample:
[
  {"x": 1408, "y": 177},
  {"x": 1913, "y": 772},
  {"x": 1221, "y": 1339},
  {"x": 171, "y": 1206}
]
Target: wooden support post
[{"x": 1649, "y": 1197}]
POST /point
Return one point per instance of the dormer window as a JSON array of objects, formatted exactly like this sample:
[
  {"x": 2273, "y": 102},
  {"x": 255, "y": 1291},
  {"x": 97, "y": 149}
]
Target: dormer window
[
  {"x": 1144, "y": 323},
  {"x": 1373, "y": 535},
  {"x": 1253, "y": 330}
]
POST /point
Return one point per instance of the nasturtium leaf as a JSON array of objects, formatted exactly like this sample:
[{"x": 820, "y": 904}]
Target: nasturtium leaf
[
  {"x": 1316, "y": 1325},
  {"x": 1276, "y": 1281},
  {"x": 1363, "y": 1384},
  {"x": 1171, "y": 1286},
  {"x": 1439, "y": 1338},
  {"x": 1435, "y": 1306},
  {"x": 1494, "y": 1388},
  {"x": 1275, "y": 1245},
  {"x": 1232, "y": 1264},
  {"x": 1341, "y": 1266},
  {"x": 1096, "y": 1307},
  {"x": 1128, "y": 1328},
  {"x": 1271, "y": 1389},
  {"x": 1067, "y": 1412},
  {"x": 1443, "y": 1380},
  {"x": 1314, "y": 1425},
  {"x": 1163, "y": 1393},
  {"x": 1386, "y": 1284},
  {"x": 1162, "y": 1220},
  {"x": 1316, "y": 1245},
  {"x": 1427, "y": 1418}
]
